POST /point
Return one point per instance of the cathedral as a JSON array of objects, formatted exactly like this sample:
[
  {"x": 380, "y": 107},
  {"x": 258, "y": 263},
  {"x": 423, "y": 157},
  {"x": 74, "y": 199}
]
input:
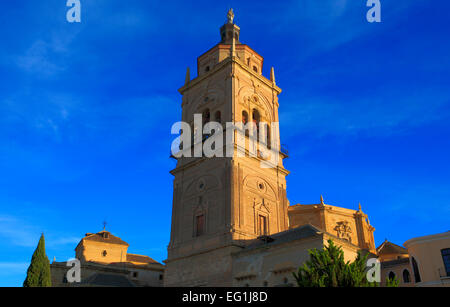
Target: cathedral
[{"x": 232, "y": 224}]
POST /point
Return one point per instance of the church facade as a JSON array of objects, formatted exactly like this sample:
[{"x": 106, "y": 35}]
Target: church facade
[
  {"x": 106, "y": 262},
  {"x": 232, "y": 224}
]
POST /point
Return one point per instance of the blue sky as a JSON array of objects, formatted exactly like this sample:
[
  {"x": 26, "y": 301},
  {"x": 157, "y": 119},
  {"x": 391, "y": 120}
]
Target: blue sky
[{"x": 86, "y": 111}]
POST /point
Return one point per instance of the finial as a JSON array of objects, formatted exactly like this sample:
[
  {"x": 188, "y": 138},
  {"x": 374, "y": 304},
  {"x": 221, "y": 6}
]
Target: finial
[
  {"x": 188, "y": 76},
  {"x": 54, "y": 258},
  {"x": 104, "y": 225},
  {"x": 360, "y": 210},
  {"x": 230, "y": 16},
  {"x": 321, "y": 200},
  {"x": 272, "y": 75}
]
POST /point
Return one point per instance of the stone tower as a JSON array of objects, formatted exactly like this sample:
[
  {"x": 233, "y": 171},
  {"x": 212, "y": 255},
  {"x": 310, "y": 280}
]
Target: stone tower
[{"x": 221, "y": 203}]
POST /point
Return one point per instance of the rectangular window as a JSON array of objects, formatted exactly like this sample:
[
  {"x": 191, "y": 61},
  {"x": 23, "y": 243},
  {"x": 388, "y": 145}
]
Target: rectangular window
[
  {"x": 262, "y": 225},
  {"x": 200, "y": 225},
  {"x": 446, "y": 259}
]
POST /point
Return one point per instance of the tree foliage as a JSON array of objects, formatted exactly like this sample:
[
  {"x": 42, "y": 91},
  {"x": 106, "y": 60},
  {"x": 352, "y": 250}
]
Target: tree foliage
[
  {"x": 38, "y": 274},
  {"x": 392, "y": 282},
  {"x": 327, "y": 268}
]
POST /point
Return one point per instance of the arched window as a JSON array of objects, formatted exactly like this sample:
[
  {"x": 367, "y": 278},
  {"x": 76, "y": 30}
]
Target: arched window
[
  {"x": 267, "y": 135},
  {"x": 255, "y": 68},
  {"x": 406, "y": 276},
  {"x": 206, "y": 116},
  {"x": 255, "y": 119},
  {"x": 391, "y": 275},
  {"x": 199, "y": 225},
  {"x": 245, "y": 121},
  {"x": 416, "y": 270},
  {"x": 244, "y": 117},
  {"x": 104, "y": 253},
  {"x": 255, "y": 116},
  {"x": 218, "y": 117},
  {"x": 446, "y": 259}
]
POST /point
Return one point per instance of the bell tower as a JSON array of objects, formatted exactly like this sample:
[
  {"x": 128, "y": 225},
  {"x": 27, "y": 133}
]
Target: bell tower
[{"x": 223, "y": 203}]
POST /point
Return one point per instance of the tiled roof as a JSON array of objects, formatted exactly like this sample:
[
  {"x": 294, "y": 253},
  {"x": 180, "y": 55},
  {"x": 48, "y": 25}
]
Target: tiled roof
[
  {"x": 140, "y": 259},
  {"x": 389, "y": 248},
  {"x": 305, "y": 231},
  {"x": 105, "y": 237}
]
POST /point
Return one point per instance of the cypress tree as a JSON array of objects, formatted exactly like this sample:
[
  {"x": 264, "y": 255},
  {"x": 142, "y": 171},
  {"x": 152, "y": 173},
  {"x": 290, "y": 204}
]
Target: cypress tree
[{"x": 38, "y": 274}]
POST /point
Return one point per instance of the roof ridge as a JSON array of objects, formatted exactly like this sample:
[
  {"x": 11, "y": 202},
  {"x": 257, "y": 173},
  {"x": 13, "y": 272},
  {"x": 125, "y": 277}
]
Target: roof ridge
[
  {"x": 396, "y": 245},
  {"x": 111, "y": 239},
  {"x": 391, "y": 248}
]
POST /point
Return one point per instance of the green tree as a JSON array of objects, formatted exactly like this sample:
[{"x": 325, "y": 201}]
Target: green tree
[
  {"x": 327, "y": 268},
  {"x": 392, "y": 282},
  {"x": 38, "y": 274}
]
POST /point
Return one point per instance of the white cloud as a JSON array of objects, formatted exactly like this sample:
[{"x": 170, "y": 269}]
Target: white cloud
[
  {"x": 21, "y": 233},
  {"x": 63, "y": 241},
  {"x": 17, "y": 232},
  {"x": 37, "y": 60}
]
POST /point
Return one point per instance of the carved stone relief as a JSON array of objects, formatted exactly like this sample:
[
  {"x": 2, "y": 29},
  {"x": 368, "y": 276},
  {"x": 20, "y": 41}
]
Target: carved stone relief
[{"x": 343, "y": 231}]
